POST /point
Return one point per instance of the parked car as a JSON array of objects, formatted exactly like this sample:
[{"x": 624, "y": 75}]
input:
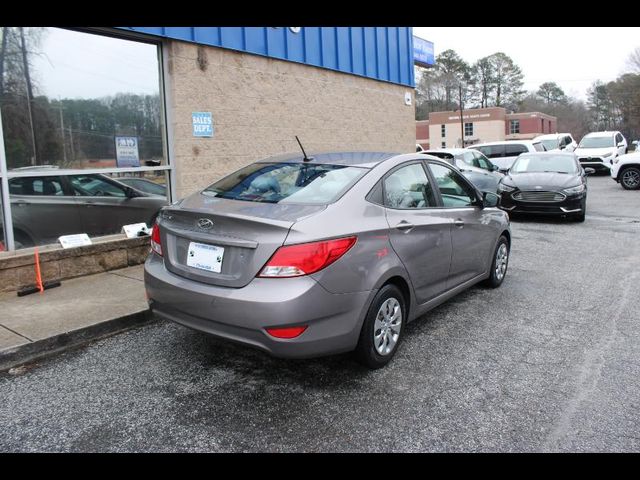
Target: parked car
[
  {"x": 598, "y": 150},
  {"x": 626, "y": 170},
  {"x": 551, "y": 183},
  {"x": 477, "y": 168},
  {"x": 503, "y": 154},
  {"x": 144, "y": 185},
  {"x": 47, "y": 206},
  {"x": 557, "y": 142},
  {"x": 303, "y": 258}
]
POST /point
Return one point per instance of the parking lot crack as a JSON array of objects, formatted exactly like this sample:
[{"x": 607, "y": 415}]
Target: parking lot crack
[{"x": 589, "y": 372}]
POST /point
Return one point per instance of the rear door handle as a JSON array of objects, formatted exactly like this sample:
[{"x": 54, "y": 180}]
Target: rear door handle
[
  {"x": 405, "y": 226},
  {"x": 458, "y": 222}
]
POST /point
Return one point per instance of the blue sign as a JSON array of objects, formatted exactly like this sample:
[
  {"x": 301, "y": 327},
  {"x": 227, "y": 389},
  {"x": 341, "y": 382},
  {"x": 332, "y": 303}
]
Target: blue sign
[
  {"x": 127, "y": 152},
  {"x": 423, "y": 52},
  {"x": 202, "y": 124}
]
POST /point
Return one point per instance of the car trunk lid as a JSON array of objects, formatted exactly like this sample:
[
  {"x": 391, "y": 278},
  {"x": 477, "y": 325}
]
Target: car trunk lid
[{"x": 248, "y": 232}]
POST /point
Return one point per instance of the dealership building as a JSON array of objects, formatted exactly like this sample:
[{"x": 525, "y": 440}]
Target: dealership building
[
  {"x": 177, "y": 108},
  {"x": 480, "y": 125}
]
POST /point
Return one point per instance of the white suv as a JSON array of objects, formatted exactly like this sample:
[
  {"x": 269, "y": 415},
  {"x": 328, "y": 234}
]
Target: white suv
[
  {"x": 626, "y": 170},
  {"x": 557, "y": 141},
  {"x": 599, "y": 149},
  {"x": 503, "y": 154}
]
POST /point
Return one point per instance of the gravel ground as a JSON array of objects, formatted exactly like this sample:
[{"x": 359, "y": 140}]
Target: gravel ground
[{"x": 548, "y": 362}]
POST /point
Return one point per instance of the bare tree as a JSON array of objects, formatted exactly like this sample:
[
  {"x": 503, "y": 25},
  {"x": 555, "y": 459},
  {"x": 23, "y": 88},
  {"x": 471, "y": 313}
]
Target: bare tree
[{"x": 633, "y": 62}]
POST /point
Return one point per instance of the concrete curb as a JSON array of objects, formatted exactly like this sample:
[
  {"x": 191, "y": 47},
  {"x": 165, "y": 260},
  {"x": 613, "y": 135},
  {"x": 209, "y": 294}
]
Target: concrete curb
[{"x": 30, "y": 352}]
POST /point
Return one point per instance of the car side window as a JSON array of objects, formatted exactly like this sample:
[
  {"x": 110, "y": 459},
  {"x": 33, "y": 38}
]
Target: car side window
[
  {"x": 454, "y": 189},
  {"x": 482, "y": 161},
  {"x": 408, "y": 187},
  {"x": 94, "y": 186},
  {"x": 618, "y": 138},
  {"x": 492, "y": 151},
  {"x": 470, "y": 158},
  {"x": 36, "y": 186},
  {"x": 514, "y": 149}
]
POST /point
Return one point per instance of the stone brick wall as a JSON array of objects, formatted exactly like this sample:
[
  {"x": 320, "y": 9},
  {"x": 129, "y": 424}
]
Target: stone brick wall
[
  {"x": 18, "y": 269},
  {"x": 259, "y": 104}
]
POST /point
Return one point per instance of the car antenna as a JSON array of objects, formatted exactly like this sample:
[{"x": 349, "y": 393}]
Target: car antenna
[{"x": 306, "y": 159}]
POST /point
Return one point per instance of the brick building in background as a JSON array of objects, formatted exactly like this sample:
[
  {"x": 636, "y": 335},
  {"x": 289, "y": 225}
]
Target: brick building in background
[{"x": 444, "y": 129}]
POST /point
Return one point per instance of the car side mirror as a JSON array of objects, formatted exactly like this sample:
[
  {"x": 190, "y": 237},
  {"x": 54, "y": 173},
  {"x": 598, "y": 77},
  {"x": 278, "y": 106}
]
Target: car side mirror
[
  {"x": 589, "y": 171},
  {"x": 490, "y": 199}
]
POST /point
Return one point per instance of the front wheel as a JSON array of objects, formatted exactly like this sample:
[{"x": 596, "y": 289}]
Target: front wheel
[
  {"x": 630, "y": 178},
  {"x": 382, "y": 329},
  {"x": 499, "y": 264}
]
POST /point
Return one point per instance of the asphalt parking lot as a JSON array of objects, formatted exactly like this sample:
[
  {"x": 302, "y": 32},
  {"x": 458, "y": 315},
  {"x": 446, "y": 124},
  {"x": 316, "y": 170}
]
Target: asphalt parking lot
[{"x": 548, "y": 362}]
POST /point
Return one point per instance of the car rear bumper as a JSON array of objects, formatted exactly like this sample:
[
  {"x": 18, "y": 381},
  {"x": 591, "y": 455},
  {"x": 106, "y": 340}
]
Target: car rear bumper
[
  {"x": 242, "y": 314},
  {"x": 600, "y": 165}
]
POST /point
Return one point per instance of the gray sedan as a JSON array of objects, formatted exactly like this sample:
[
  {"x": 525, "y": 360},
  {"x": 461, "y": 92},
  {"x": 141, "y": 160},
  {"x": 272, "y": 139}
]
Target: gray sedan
[
  {"x": 45, "y": 207},
  {"x": 303, "y": 257}
]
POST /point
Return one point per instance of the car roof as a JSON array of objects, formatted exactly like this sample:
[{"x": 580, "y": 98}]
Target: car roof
[
  {"x": 361, "y": 159},
  {"x": 502, "y": 142},
  {"x": 601, "y": 134},
  {"x": 550, "y": 136},
  {"x": 549, "y": 154},
  {"x": 446, "y": 150}
]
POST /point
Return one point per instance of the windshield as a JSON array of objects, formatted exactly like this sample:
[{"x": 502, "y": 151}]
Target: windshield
[
  {"x": 546, "y": 163},
  {"x": 287, "y": 183},
  {"x": 550, "y": 144},
  {"x": 596, "y": 142}
]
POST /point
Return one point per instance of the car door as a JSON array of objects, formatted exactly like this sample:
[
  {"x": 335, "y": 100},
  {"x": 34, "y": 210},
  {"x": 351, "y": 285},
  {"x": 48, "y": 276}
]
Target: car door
[
  {"x": 472, "y": 238},
  {"x": 43, "y": 208},
  {"x": 104, "y": 205},
  {"x": 419, "y": 231}
]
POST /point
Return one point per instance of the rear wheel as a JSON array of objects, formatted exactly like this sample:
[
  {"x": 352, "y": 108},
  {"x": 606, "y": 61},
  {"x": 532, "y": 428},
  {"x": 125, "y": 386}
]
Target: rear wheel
[
  {"x": 382, "y": 329},
  {"x": 499, "y": 264},
  {"x": 630, "y": 178}
]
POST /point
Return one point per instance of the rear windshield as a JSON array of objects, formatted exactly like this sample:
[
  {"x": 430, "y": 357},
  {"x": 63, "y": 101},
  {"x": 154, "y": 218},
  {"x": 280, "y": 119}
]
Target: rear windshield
[
  {"x": 550, "y": 144},
  {"x": 287, "y": 183}
]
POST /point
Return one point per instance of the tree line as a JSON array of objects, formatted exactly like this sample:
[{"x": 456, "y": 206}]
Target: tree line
[
  {"x": 497, "y": 81},
  {"x": 67, "y": 132}
]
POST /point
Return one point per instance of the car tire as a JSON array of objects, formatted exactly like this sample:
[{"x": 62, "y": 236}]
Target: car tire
[
  {"x": 381, "y": 331},
  {"x": 500, "y": 256},
  {"x": 630, "y": 178}
]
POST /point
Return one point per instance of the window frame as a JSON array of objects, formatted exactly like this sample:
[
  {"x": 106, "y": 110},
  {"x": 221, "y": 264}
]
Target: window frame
[
  {"x": 512, "y": 124},
  {"x": 390, "y": 172},
  {"x": 470, "y": 125},
  {"x": 166, "y": 116},
  {"x": 474, "y": 203}
]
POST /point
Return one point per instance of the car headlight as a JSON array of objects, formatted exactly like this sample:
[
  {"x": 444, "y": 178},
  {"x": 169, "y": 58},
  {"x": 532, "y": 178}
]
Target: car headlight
[
  {"x": 574, "y": 190},
  {"x": 505, "y": 188},
  {"x": 607, "y": 155}
]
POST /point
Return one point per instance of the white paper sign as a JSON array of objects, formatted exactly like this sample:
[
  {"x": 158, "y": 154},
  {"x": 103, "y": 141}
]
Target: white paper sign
[
  {"x": 407, "y": 98},
  {"x": 70, "y": 241},
  {"x": 131, "y": 231}
]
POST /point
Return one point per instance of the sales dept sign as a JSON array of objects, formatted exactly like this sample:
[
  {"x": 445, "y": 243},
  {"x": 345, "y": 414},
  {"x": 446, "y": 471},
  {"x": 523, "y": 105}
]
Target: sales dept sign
[{"x": 202, "y": 124}]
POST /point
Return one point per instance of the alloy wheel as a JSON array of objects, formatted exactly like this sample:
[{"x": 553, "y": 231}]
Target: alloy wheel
[
  {"x": 502, "y": 257},
  {"x": 386, "y": 329}
]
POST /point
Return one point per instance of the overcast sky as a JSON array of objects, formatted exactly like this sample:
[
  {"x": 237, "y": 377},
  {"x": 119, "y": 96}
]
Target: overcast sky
[{"x": 573, "y": 57}]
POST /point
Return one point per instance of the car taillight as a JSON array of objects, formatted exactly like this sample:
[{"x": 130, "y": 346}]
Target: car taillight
[
  {"x": 156, "y": 243},
  {"x": 286, "y": 332},
  {"x": 306, "y": 258}
]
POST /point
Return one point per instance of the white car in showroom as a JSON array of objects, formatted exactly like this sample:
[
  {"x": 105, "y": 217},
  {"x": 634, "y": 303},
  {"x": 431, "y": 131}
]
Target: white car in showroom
[
  {"x": 599, "y": 149},
  {"x": 626, "y": 170}
]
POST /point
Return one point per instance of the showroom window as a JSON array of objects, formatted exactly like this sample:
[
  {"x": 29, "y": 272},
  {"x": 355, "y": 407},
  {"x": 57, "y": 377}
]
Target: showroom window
[{"x": 83, "y": 134}]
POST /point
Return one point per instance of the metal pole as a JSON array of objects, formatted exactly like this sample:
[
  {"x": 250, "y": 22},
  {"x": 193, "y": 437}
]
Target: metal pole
[
  {"x": 64, "y": 146},
  {"x": 461, "y": 121},
  {"x": 6, "y": 201}
]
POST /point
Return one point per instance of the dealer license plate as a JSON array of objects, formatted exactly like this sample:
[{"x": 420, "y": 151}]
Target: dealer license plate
[{"x": 205, "y": 257}]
